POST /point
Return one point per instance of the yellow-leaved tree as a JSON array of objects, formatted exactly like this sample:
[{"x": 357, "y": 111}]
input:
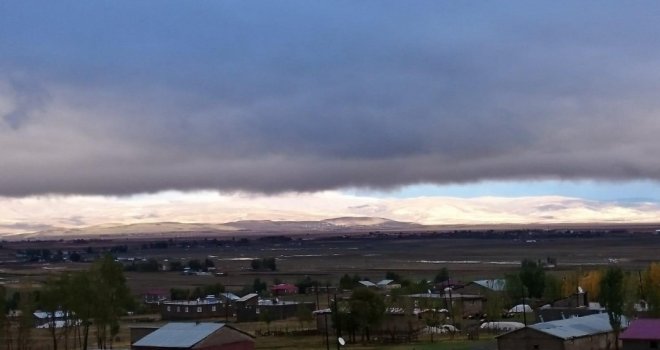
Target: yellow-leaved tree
[
  {"x": 651, "y": 289},
  {"x": 590, "y": 282}
]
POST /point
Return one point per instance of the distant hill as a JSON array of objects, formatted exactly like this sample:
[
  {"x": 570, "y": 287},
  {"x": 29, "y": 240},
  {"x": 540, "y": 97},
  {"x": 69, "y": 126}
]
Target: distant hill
[
  {"x": 244, "y": 226},
  {"x": 343, "y": 223}
]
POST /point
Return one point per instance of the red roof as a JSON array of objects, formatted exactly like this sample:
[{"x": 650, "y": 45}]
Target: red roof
[
  {"x": 642, "y": 329},
  {"x": 283, "y": 286}
]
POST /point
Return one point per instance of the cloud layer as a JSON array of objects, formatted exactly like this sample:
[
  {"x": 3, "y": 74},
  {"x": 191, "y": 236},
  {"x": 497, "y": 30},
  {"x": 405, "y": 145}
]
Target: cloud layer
[{"x": 129, "y": 97}]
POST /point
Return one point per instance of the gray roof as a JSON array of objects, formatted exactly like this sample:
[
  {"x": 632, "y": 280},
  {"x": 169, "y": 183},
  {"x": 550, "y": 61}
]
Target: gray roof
[
  {"x": 367, "y": 283},
  {"x": 453, "y": 296},
  {"x": 385, "y": 282},
  {"x": 179, "y": 335},
  {"x": 496, "y": 285},
  {"x": 577, "y": 326},
  {"x": 230, "y": 296},
  {"x": 45, "y": 314},
  {"x": 248, "y": 297}
]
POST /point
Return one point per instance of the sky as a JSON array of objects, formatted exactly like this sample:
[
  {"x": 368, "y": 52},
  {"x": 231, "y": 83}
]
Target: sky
[{"x": 375, "y": 100}]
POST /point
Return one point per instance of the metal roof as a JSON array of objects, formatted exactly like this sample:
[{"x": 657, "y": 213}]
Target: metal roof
[
  {"x": 44, "y": 314},
  {"x": 385, "y": 282},
  {"x": 577, "y": 326},
  {"x": 367, "y": 283},
  {"x": 642, "y": 329},
  {"x": 230, "y": 296},
  {"x": 248, "y": 297},
  {"x": 179, "y": 335},
  {"x": 496, "y": 285}
]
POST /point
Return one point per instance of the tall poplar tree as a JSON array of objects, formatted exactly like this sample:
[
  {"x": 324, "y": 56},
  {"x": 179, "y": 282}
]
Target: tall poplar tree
[{"x": 612, "y": 297}]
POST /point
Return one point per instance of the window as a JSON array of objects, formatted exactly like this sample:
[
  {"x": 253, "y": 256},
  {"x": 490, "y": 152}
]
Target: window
[
  {"x": 168, "y": 309},
  {"x": 178, "y": 309},
  {"x": 213, "y": 308},
  {"x": 186, "y": 309},
  {"x": 199, "y": 309}
]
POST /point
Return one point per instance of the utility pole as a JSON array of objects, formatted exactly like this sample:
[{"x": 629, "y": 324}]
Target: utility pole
[
  {"x": 316, "y": 288},
  {"x": 522, "y": 287},
  {"x": 327, "y": 340},
  {"x": 335, "y": 312}
]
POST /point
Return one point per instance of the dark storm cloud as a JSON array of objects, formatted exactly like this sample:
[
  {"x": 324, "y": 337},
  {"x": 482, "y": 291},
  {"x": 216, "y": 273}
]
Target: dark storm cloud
[{"x": 125, "y": 97}]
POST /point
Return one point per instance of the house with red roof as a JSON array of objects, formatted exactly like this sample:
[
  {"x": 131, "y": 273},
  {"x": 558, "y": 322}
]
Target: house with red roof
[
  {"x": 283, "y": 288},
  {"x": 642, "y": 334}
]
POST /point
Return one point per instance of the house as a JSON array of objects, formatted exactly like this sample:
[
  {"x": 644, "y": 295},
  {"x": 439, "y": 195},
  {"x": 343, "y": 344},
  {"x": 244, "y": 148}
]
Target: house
[
  {"x": 280, "y": 309},
  {"x": 208, "y": 307},
  {"x": 367, "y": 284},
  {"x": 641, "y": 334},
  {"x": 283, "y": 288},
  {"x": 576, "y": 305},
  {"x": 484, "y": 287},
  {"x": 152, "y": 298},
  {"x": 201, "y": 336},
  {"x": 469, "y": 304},
  {"x": 229, "y": 297},
  {"x": 321, "y": 289},
  {"x": 253, "y": 308},
  {"x": 246, "y": 308},
  {"x": 399, "y": 325},
  {"x": 155, "y": 296},
  {"x": 589, "y": 332},
  {"x": 388, "y": 284}
]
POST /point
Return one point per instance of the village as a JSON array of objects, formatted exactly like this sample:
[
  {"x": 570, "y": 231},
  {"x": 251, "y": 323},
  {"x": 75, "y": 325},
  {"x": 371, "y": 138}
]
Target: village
[{"x": 166, "y": 302}]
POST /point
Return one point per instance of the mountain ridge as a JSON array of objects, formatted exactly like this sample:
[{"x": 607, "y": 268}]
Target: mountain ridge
[{"x": 357, "y": 223}]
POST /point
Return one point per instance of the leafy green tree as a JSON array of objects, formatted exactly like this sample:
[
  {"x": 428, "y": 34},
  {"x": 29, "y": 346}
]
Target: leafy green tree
[
  {"x": 112, "y": 296},
  {"x": 179, "y": 294},
  {"x": 259, "y": 286},
  {"x": 532, "y": 277},
  {"x": 514, "y": 288},
  {"x": 304, "y": 314},
  {"x": 651, "y": 289},
  {"x": 3, "y": 316},
  {"x": 255, "y": 264},
  {"x": 208, "y": 263},
  {"x": 50, "y": 299},
  {"x": 442, "y": 275},
  {"x": 195, "y": 265},
  {"x": 175, "y": 266},
  {"x": 421, "y": 286},
  {"x": 612, "y": 298},
  {"x": 265, "y": 263},
  {"x": 214, "y": 289},
  {"x": 266, "y": 317},
  {"x": 306, "y": 283},
  {"x": 348, "y": 282},
  {"x": 367, "y": 309},
  {"x": 494, "y": 305},
  {"x": 269, "y": 263},
  {"x": 25, "y": 322},
  {"x": 197, "y": 293},
  {"x": 390, "y": 275},
  {"x": 553, "y": 288},
  {"x": 82, "y": 296},
  {"x": 75, "y": 257}
]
